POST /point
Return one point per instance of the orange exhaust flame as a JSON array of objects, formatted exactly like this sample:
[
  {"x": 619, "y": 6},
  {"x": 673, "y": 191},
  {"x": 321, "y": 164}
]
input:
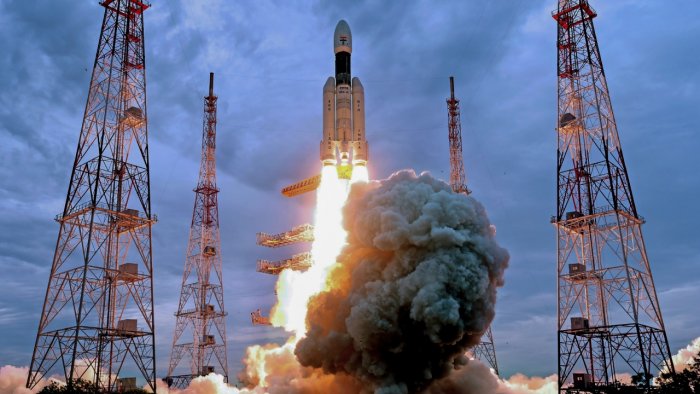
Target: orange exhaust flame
[{"x": 294, "y": 288}]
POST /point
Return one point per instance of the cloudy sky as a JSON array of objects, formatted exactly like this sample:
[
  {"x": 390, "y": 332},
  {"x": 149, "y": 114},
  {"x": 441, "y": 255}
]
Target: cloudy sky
[{"x": 271, "y": 59}]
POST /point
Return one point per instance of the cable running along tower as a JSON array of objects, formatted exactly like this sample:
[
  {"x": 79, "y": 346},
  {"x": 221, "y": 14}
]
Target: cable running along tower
[
  {"x": 486, "y": 350},
  {"x": 97, "y": 319},
  {"x": 200, "y": 330},
  {"x": 609, "y": 319}
]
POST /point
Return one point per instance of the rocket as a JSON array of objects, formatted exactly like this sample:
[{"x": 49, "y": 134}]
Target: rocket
[
  {"x": 343, "y": 144},
  {"x": 343, "y": 108}
]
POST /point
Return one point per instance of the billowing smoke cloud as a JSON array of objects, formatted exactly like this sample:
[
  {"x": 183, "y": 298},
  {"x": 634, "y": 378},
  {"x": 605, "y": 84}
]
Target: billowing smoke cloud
[
  {"x": 521, "y": 384},
  {"x": 686, "y": 356},
  {"x": 13, "y": 379},
  {"x": 278, "y": 370},
  {"x": 414, "y": 288},
  {"x": 476, "y": 378},
  {"x": 210, "y": 384}
]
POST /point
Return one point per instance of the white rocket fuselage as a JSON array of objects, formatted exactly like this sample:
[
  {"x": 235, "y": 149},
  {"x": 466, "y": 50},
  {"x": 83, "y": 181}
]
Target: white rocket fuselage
[{"x": 343, "y": 108}]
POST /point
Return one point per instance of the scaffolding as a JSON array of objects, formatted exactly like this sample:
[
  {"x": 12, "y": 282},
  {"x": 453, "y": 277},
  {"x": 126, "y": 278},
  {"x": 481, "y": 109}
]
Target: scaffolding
[
  {"x": 302, "y": 233},
  {"x": 311, "y": 183},
  {"x": 302, "y": 187},
  {"x": 298, "y": 262},
  {"x": 609, "y": 318},
  {"x": 97, "y": 321},
  {"x": 199, "y": 340},
  {"x": 258, "y": 319}
]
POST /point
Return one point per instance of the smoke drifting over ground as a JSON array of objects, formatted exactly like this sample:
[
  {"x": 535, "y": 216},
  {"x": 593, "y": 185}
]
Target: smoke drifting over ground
[
  {"x": 477, "y": 378},
  {"x": 292, "y": 378},
  {"x": 415, "y": 286}
]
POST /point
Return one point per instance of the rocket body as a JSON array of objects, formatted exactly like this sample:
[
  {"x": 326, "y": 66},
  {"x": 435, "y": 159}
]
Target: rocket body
[{"x": 343, "y": 108}]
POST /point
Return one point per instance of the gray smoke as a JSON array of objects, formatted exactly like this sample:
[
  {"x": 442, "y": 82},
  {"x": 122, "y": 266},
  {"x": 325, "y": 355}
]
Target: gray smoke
[{"x": 415, "y": 287}]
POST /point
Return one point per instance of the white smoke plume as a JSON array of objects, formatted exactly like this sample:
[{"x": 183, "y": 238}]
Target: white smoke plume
[
  {"x": 477, "y": 378},
  {"x": 283, "y": 374},
  {"x": 13, "y": 379},
  {"x": 521, "y": 384},
  {"x": 686, "y": 356},
  {"x": 298, "y": 379},
  {"x": 210, "y": 384},
  {"x": 415, "y": 286}
]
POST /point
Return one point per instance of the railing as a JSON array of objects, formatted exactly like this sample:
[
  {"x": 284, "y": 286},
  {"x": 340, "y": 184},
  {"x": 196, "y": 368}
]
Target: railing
[
  {"x": 258, "y": 319},
  {"x": 598, "y": 211},
  {"x": 86, "y": 206},
  {"x": 303, "y": 233},
  {"x": 298, "y": 262}
]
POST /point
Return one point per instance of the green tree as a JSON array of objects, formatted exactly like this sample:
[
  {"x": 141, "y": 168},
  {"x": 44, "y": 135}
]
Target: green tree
[
  {"x": 82, "y": 387},
  {"x": 641, "y": 379},
  {"x": 75, "y": 387}
]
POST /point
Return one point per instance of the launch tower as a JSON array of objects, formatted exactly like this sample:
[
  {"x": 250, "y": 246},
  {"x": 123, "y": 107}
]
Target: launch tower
[
  {"x": 609, "y": 320},
  {"x": 486, "y": 350},
  {"x": 97, "y": 319},
  {"x": 200, "y": 328}
]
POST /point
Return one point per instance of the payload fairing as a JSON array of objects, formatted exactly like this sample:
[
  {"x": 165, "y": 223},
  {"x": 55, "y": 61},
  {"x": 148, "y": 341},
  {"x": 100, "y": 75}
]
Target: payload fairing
[{"x": 343, "y": 108}]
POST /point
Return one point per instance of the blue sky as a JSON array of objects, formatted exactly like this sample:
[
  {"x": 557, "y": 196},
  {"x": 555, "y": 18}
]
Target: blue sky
[{"x": 271, "y": 59}]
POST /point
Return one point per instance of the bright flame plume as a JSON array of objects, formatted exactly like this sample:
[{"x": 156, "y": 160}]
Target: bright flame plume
[{"x": 294, "y": 289}]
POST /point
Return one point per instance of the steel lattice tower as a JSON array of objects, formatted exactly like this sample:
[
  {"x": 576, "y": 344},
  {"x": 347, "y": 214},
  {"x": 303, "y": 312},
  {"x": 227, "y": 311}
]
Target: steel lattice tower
[
  {"x": 609, "y": 319},
  {"x": 486, "y": 350},
  {"x": 458, "y": 178},
  {"x": 97, "y": 319},
  {"x": 200, "y": 330}
]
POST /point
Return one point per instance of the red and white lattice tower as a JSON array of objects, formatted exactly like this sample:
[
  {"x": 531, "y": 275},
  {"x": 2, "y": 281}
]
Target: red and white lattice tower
[
  {"x": 458, "y": 178},
  {"x": 200, "y": 329},
  {"x": 486, "y": 350},
  {"x": 97, "y": 320},
  {"x": 609, "y": 319}
]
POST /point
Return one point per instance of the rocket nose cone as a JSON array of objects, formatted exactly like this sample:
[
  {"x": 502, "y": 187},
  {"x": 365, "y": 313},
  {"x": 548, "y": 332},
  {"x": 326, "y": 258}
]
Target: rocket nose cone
[{"x": 342, "y": 38}]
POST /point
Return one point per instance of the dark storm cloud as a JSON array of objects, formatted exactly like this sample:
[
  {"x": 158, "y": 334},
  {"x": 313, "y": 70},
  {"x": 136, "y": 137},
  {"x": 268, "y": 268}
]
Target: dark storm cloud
[
  {"x": 41, "y": 69},
  {"x": 271, "y": 59},
  {"x": 42, "y": 73},
  {"x": 43, "y": 79}
]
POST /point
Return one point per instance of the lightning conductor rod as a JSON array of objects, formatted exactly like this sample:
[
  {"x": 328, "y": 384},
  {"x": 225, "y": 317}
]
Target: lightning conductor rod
[
  {"x": 211, "y": 84},
  {"x": 452, "y": 88}
]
